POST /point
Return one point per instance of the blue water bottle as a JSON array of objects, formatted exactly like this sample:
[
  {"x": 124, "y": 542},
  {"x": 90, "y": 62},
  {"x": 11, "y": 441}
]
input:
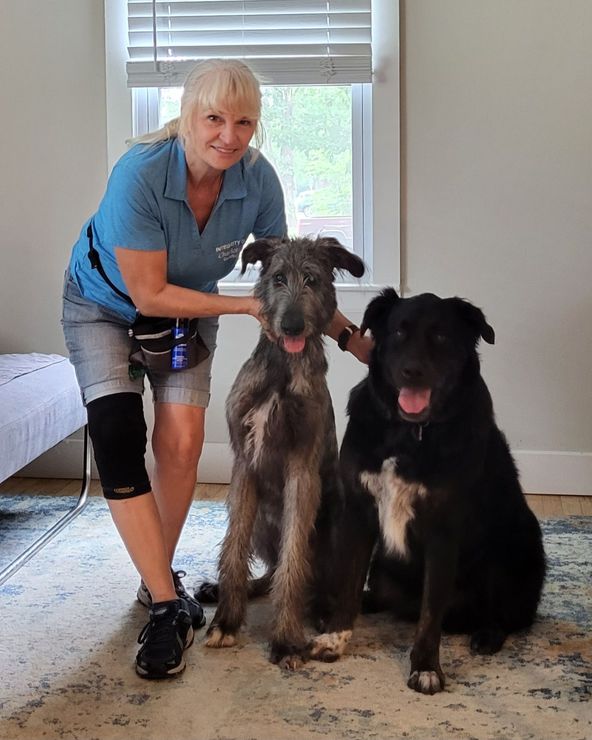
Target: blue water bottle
[{"x": 179, "y": 352}]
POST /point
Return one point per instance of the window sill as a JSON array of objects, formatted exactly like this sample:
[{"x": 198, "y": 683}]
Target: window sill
[{"x": 350, "y": 296}]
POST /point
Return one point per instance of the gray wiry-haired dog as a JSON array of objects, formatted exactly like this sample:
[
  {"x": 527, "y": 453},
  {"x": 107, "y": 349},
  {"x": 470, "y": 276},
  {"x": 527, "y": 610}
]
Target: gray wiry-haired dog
[{"x": 282, "y": 431}]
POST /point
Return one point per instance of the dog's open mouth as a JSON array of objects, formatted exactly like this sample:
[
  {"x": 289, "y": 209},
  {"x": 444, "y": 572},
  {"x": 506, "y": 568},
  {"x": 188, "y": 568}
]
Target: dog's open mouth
[
  {"x": 414, "y": 402},
  {"x": 293, "y": 344}
]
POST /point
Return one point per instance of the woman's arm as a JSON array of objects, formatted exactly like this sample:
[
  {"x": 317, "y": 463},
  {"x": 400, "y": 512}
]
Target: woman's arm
[
  {"x": 360, "y": 346},
  {"x": 144, "y": 274},
  {"x": 145, "y": 277}
]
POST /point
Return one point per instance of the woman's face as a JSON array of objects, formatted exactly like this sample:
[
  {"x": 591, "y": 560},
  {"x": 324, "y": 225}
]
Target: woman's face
[{"x": 219, "y": 138}]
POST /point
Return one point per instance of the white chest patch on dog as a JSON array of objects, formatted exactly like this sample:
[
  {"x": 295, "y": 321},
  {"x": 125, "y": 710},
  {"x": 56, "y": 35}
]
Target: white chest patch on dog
[
  {"x": 396, "y": 499},
  {"x": 256, "y": 422}
]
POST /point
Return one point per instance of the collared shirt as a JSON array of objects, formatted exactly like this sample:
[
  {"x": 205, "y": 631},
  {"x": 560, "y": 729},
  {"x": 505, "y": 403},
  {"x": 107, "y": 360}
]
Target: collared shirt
[{"x": 145, "y": 207}]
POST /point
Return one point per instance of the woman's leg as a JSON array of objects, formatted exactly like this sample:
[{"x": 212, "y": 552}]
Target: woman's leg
[
  {"x": 99, "y": 348},
  {"x": 180, "y": 401},
  {"x": 177, "y": 443},
  {"x": 139, "y": 526},
  {"x": 118, "y": 432}
]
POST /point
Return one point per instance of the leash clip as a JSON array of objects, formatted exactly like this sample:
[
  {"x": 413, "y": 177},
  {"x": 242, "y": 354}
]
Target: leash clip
[{"x": 417, "y": 430}]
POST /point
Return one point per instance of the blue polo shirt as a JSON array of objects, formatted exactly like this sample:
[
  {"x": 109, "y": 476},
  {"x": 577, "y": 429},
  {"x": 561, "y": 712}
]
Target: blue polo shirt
[{"x": 145, "y": 207}]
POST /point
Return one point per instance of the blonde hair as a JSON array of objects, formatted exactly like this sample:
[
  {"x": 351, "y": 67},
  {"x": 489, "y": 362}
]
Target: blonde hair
[{"x": 213, "y": 84}]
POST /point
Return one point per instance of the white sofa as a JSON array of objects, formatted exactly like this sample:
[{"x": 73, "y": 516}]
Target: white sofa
[{"x": 40, "y": 405}]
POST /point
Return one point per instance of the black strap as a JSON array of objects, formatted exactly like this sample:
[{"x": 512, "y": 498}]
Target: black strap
[
  {"x": 346, "y": 335},
  {"x": 95, "y": 263}
]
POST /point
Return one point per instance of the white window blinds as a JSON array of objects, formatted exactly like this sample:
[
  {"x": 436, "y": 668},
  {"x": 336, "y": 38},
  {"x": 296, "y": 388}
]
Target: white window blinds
[{"x": 284, "y": 41}]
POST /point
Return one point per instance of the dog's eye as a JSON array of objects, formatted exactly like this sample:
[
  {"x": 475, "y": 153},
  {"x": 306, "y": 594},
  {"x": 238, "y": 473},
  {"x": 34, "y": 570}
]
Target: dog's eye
[
  {"x": 279, "y": 278},
  {"x": 400, "y": 334},
  {"x": 440, "y": 338},
  {"x": 309, "y": 280}
]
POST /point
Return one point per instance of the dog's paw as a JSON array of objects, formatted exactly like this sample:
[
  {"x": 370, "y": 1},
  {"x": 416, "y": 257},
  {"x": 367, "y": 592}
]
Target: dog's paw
[
  {"x": 215, "y": 638},
  {"x": 330, "y": 646},
  {"x": 288, "y": 657},
  {"x": 487, "y": 641},
  {"x": 426, "y": 682},
  {"x": 290, "y": 662},
  {"x": 207, "y": 593}
]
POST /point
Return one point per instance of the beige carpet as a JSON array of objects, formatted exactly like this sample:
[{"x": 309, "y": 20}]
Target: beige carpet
[{"x": 67, "y": 644}]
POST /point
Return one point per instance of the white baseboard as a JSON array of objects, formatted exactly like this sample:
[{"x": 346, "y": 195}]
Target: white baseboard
[
  {"x": 65, "y": 461},
  {"x": 565, "y": 473}
]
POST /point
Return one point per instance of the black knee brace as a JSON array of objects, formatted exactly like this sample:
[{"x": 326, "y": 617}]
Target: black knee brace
[{"x": 118, "y": 432}]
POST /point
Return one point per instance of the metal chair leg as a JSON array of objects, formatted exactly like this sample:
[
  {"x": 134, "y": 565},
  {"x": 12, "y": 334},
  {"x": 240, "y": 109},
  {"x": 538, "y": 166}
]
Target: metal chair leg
[{"x": 25, "y": 556}]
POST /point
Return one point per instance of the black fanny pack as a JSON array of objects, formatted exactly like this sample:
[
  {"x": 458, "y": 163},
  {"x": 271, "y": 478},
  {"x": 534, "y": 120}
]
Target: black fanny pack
[
  {"x": 162, "y": 344},
  {"x": 167, "y": 345}
]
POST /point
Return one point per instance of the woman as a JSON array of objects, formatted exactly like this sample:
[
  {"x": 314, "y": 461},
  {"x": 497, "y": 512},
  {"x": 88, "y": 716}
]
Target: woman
[{"x": 178, "y": 207}]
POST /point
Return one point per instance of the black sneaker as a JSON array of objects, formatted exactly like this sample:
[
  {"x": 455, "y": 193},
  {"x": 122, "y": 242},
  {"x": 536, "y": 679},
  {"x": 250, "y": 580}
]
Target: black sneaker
[
  {"x": 197, "y": 614},
  {"x": 164, "y": 639}
]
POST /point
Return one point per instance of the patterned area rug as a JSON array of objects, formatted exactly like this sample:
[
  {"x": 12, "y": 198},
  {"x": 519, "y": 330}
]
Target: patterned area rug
[{"x": 70, "y": 621}]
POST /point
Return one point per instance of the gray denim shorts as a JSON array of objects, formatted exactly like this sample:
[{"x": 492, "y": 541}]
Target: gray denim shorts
[{"x": 99, "y": 348}]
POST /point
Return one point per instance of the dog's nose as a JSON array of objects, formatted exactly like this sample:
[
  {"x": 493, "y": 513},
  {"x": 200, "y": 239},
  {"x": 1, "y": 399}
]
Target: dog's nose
[
  {"x": 412, "y": 372},
  {"x": 292, "y": 323}
]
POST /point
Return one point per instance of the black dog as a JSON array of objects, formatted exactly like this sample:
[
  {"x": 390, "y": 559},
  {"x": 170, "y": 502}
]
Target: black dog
[{"x": 432, "y": 496}]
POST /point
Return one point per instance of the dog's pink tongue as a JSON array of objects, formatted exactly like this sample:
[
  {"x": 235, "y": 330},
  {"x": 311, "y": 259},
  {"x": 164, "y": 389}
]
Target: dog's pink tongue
[
  {"x": 294, "y": 344},
  {"x": 414, "y": 400}
]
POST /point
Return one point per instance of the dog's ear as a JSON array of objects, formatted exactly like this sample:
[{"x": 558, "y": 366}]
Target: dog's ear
[
  {"x": 340, "y": 257},
  {"x": 258, "y": 251},
  {"x": 378, "y": 310},
  {"x": 475, "y": 318}
]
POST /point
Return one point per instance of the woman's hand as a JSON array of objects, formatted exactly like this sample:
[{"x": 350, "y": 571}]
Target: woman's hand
[
  {"x": 360, "y": 346},
  {"x": 256, "y": 311}
]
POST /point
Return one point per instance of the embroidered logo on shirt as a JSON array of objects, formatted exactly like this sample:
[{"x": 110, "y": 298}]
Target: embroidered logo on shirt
[{"x": 230, "y": 250}]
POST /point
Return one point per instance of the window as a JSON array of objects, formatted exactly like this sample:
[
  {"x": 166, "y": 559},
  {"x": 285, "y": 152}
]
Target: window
[
  {"x": 373, "y": 120},
  {"x": 308, "y": 138}
]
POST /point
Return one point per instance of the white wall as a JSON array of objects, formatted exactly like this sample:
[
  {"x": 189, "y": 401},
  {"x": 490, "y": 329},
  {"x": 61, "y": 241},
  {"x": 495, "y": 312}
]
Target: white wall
[
  {"x": 53, "y": 155},
  {"x": 496, "y": 194},
  {"x": 498, "y": 205}
]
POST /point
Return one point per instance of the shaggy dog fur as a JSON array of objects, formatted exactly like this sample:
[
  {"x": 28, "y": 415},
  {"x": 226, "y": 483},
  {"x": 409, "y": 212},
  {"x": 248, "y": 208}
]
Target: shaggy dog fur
[
  {"x": 282, "y": 429},
  {"x": 434, "y": 512}
]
